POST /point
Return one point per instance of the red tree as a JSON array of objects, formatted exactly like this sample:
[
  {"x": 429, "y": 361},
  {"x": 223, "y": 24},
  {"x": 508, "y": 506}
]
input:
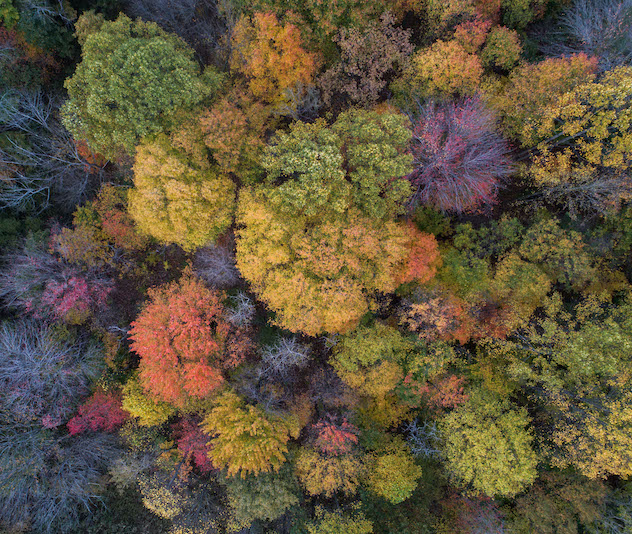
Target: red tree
[
  {"x": 102, "y": 412},
  {"x": 185, "y": 342},
  {"x": 459, "y": 158},
  {"x": 192, "y": 441},
  {"x": 334, "y": 436}
]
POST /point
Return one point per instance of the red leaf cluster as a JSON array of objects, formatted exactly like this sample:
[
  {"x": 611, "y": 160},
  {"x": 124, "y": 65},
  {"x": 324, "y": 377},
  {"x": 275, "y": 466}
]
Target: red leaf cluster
[
  {"x": 192, "y": 441},
  {"x": 101, "y": 412},
  {"x": 333, "y": 437}
]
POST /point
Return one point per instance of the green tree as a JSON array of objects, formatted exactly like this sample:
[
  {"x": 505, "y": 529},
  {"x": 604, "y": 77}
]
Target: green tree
[
  {"x": 487, "y": 446},
  {"x": 132, "y": 78},
  {"x": 392, "y": 472},
  {"x": 266, "y": 496},
  {"x": 353, "y": 522},
  {"x": 558, "y": 503},
  {"x": 358, "y": 161},
  {"x": 372, "y": 359}
]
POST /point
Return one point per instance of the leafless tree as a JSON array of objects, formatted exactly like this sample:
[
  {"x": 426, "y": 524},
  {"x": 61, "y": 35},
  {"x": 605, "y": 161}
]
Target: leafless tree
[
  {"x": 41, "y": 377},
  {"x": 587, "y": 195},
  {"x": 46, "y": 480},
  {"x": 242, "y": 311},
  {"x": 283, "y": 356},
  {"x": 602, "y": 28},
  {"x": 460, "y": 161},
  {"x": 40, "y": 163},
  {"x": 216, "y": 266},
  {"x": 201, "y": 23},
  {"x": 423, "y": 439}
]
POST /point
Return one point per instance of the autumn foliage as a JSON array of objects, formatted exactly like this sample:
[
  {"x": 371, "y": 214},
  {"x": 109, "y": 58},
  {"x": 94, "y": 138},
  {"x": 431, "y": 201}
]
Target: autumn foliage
[
  {"x": 101, "y": 412},
  {"x": 460, "y": 161},
  {"x": 271, "y": 56},
  {"x": 185, "y": 342},
  {"x": 319, "y": 278}
]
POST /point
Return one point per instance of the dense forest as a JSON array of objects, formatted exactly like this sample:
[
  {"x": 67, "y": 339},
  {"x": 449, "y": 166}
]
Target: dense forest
[{"x": 316, "y": 267}]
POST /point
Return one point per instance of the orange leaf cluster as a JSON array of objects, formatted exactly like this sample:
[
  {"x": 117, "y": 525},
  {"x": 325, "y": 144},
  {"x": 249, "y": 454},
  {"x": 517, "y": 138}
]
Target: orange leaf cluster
[{"x": 184, "y": 341}]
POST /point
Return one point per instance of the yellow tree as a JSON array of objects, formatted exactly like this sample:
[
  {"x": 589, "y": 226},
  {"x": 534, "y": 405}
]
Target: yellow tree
[
  {"x": 177, "y": 199},
  {"x": 271, "y": 56},
  {"x": 320, "y": 277},
  {"x": 247, "y": 439}
]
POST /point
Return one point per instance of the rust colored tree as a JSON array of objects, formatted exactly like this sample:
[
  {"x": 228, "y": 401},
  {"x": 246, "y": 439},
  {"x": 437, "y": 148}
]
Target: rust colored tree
[{"x": 185, "y": 342}]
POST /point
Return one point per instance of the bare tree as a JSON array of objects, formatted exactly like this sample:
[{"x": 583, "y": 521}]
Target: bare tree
[
  {"x": 283, "y": 356},
  {"x": 588, "y": 195},
  {"x": 201, "y": 23},
  {"x": 40, "y": 164},
  {"x": 216, "y": 266},
  {"x": 242, "y": 311},
  {"x": 602, "y": 28},
  {"x": 41, "y": 377},
  {"x": 46, "y": 480},
  {"x": 423, "y": 439},
  {"x": 460, "y": 161}
]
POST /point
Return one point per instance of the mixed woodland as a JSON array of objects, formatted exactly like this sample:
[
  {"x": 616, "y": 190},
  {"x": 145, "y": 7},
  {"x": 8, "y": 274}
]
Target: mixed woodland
[{"x": 316, "y": 266}]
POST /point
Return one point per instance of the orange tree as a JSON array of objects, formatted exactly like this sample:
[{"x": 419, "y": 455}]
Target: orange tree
[{"x": 184, "y": 342}]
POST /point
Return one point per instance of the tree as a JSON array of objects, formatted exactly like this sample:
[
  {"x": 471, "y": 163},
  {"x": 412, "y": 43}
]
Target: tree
[
  {"x": 319, "y": 278},
  {"x": 185, "y": 342},
  {"x": 353, "y": 522},
  {"x": 558, "y": 503},
  {"x": 193, "y": 443},
  {"x": 358, "y": 161},
  {"x": 443, "y": 69},
  {"x": 562, "y": 253},
  {"x": 43, "y": 376},
  {"x": 101, "y": 412},
  {"x": 368, "y": 61},
  {"x": 334, "y": 436},
  {"x": 502, "y": 49},
  {"x": 283, "y": 356},
  {"x": 459, "y": 159},
  {"x": 326, "y": 475},
  {"x": 264, "y": 497},
  {"x": 38, "y": 282},
  {"x": 148, "y": 411},
  {"x": 40, "y": 163},
  {"x": 523, "y": 101},
  {"x": 271, "y": 56},
  {"x": 598, "y": 28},
  {"x": 247, "y": 439},
  {"x": 591, "y": 122},
  {"x": 233, "y": 130},
  {"x": 392, "y": 472},
  {"x": 177, "y": 200},
  {"x": 132, "y": 78},
  {"x": 519, "y": 13},
  {"x": 371, "y": 359},
  {"x": 487, "y": 447},
  {"x": 48, "y": 481}
]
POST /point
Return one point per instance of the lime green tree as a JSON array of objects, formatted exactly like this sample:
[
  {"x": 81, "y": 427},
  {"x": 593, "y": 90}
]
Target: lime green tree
[
  {"x": 132, "y": 78},
  {"x": 488, "y": 448}
]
